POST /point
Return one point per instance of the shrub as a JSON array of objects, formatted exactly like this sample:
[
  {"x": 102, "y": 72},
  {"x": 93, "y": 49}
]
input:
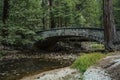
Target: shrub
[
  {"x": 87, "y": 60},
  {"x": 2, "y": 53}
]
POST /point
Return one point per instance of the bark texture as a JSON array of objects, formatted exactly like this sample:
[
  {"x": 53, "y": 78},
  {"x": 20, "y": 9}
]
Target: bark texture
[{"x": 109, "y": 26}]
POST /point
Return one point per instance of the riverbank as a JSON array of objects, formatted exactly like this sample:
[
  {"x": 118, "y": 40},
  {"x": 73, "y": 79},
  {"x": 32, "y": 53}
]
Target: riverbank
[
  {"x": 107, "y": 68},
  {"x": 57, "y": 74},
  {"x": 42, "y": 55}
]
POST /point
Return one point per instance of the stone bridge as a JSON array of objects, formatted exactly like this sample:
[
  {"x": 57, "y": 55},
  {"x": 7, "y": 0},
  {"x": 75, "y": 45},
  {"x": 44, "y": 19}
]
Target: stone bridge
[{"x": 51, "y": 37}]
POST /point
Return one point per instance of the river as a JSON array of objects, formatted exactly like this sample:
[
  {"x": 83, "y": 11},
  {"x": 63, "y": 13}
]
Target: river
[{"x": 15, "y": 66}]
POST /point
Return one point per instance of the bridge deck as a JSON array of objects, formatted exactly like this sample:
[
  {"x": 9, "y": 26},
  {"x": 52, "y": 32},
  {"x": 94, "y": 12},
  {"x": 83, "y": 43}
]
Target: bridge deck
[{"x": 54, "y": 35}]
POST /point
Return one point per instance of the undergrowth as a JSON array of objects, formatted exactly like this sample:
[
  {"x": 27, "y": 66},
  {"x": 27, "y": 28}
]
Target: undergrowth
[
  {"x": 2, "y": 53},
  {"x": 87, "y": 60}
]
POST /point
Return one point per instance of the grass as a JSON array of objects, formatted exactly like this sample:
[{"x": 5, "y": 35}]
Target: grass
[
  {"x": 97, "y": 46},
  {"x": 87, "y": 60}
]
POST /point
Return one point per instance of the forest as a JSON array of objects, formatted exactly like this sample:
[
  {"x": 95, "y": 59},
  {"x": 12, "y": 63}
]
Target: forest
[
  {"x": 59, "y": 39},
  {"x": 20, "y": 20}
]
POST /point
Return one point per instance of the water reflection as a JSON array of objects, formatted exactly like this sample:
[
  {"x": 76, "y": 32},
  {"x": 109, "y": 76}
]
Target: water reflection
[{"x": 15, "y": 69}]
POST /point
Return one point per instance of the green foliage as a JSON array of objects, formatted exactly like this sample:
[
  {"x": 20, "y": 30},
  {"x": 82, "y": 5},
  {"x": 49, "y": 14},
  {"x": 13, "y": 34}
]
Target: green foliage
[
  {"x": 92, "y": 13},
  {"x": 2, "y": 53},
  {"x": 117, "y": 12},
  {"x": 87, "y": 60},
  {"x": 97, "y": 46},
  {"x": 79, "y": 12},
  {"x": 23, "y": 22}
]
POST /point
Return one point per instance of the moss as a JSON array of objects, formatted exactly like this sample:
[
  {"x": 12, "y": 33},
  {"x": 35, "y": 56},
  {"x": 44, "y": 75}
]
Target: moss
[{"x": 87, "y": 60}]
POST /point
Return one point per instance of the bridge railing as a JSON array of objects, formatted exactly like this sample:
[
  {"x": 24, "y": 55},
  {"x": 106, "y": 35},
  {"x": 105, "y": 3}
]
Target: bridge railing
[
  {"x": 91, "y": 33},
  {"x": 53, "y": 29},
  {"x": 61, "y": 28}
]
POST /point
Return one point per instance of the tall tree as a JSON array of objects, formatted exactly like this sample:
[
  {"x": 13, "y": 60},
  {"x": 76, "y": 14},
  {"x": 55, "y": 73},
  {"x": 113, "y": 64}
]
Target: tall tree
[
  {"x": 5, "y": 17},
  {"x": 43, "y": 18},
  {"x": 109, "y": 26},
  {"x": 5, "y": 11},
  {"x": 52, "y": 23}
]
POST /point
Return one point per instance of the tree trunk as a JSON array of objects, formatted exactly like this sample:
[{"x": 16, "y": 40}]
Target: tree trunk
[
  {"x": 52, "y": 23},
  {"x": 4, "y": 31},
  {"x": 5, "y": 11},
  {"x": 109, "y": 26},
  {"x": 43, "y": 18}
]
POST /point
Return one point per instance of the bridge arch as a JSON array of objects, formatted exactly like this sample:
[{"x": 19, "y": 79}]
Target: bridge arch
[{"x": 51, "y": 37}]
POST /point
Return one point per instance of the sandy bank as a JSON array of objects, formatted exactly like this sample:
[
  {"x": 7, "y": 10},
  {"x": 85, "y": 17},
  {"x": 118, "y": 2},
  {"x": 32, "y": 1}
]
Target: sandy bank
[{"x": 57, "y": 74}]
